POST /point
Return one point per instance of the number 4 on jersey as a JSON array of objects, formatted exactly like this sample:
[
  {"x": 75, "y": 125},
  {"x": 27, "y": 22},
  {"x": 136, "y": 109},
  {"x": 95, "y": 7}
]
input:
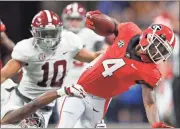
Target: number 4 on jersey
[{"x": 114, "y": 65}]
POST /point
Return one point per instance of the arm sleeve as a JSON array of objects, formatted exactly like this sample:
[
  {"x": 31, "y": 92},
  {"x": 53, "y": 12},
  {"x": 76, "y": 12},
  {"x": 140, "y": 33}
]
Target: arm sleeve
[
  {"x": 76, "y": 44},
  {"x": 19, "y": 52}
]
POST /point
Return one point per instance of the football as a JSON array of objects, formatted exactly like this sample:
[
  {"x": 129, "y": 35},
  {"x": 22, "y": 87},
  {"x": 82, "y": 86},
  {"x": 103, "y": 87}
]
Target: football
[{"x": 104, "y": 25}]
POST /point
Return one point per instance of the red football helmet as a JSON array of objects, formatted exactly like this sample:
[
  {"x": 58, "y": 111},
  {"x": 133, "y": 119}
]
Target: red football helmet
[
  {"x": 47, "y": 28},
  {"x": 157, "y": 43},
  {"x": 73, "y": 17}
]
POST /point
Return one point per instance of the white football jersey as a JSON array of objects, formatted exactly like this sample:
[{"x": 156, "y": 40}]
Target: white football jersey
[
  {"x": 91, "y": 41},
  {"x": 45, "y": 70}
]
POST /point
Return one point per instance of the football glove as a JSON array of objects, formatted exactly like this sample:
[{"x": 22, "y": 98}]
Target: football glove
[
  {"x": 75, "y": 90},
  {"x": 89, "y": 22},
  {"x": 161, "y": 125}
]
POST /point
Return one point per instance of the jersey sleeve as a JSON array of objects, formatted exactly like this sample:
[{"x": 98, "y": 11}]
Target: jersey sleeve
[
  {"x": 128, "y": 26},
  {"x": 152, "y": 78},
  {"x": 19, "y": 52},
  {"x": 75, "y": 43}
]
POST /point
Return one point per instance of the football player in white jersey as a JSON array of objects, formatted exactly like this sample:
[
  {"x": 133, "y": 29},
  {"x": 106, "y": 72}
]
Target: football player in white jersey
[
  {"x": 45, "y": 59},
  {"x": 73, "y": 17}
]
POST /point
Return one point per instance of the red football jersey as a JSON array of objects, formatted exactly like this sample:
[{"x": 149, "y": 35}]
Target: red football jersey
[{"x": 114, "y": 72}]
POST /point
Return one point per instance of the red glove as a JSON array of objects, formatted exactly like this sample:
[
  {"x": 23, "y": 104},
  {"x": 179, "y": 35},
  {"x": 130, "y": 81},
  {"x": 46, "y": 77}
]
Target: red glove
[
  {"x": 161, "y": 125},
  {"x": 2, "y": 27},
  {"x": 89, "y": 23}
]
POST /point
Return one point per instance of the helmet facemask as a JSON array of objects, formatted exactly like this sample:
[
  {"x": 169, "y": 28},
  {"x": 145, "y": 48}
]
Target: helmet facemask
[
  {"x": 47, "y": 37},
  {"x": 74, "y": 24},
  {"x": 158, "y": 48}
]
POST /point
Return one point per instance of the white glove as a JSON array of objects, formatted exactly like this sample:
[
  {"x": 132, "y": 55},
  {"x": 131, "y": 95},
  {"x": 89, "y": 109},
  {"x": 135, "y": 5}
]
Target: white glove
[
  {"x": 75, "y": 90},
  {"x": 101, "y": 125}
]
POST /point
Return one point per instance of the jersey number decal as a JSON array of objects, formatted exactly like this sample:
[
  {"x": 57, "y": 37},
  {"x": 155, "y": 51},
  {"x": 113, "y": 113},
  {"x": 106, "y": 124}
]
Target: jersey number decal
[
  {"x": 53, "y": 83},
  {"x": 114, "y": 65}
]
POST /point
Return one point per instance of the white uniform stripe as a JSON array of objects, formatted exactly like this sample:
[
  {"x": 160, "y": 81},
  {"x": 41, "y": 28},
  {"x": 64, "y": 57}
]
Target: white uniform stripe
[
  {"x": 172, "y": 39},
  {"x": 75, "y": 7},
  {"x": 48, "y": 16}
]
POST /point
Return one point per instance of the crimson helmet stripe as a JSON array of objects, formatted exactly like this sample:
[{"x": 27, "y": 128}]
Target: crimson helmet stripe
[
  {"x": 46, "y": 18},
  {"x": 35, "y": 17},
  {"x": 48, "y": 14}
]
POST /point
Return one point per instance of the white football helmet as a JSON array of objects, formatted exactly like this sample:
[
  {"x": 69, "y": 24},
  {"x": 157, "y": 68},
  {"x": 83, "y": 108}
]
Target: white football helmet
[{"x": 73, "y": 17}]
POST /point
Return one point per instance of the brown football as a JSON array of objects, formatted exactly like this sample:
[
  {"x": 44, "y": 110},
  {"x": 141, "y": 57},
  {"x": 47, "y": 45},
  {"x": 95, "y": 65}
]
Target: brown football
[{"x": 104, "y": 25}]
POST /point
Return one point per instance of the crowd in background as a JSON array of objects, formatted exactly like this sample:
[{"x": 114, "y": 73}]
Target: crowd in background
[{"x": 128, "y": 107}]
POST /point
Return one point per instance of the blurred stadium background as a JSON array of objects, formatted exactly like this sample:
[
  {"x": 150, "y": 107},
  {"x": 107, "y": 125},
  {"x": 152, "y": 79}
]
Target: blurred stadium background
[{"x": 126, "y": 110}]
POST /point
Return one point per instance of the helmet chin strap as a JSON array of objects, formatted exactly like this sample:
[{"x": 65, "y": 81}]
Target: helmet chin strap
[{"x": 145, "y": 58}]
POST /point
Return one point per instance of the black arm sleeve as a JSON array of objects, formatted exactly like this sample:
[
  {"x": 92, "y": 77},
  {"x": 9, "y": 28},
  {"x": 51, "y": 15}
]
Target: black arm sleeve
[{"x": 143, "y": 82}]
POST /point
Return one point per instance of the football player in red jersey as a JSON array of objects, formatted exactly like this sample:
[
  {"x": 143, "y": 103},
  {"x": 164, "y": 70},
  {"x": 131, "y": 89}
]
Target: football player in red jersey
[
  {"x": 5, "y": 41},
  {"x": 131, "y": 59},
  {"x": 7, "y": 46}
]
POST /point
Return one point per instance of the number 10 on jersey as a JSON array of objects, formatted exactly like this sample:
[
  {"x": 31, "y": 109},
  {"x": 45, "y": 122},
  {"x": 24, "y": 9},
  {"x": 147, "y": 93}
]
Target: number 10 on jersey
[{"x": 54, "y": 82}]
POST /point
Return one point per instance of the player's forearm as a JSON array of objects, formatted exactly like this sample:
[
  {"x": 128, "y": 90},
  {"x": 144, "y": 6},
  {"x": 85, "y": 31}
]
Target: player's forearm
[
  {"x": 152, "y": 113},
  {"x": 2, "y": 78},
  {"x": 93, "y": 56},
  {"x": 87, "y": 56},
  {"x": 19, "y": 114},
  {"x": 149, "y": 101},
  {"x": 30, "y": 108},
  {"x": 10, "y": 69},
  {"x": 9, "y": 44},
  {"x": 45, "y": 99}
]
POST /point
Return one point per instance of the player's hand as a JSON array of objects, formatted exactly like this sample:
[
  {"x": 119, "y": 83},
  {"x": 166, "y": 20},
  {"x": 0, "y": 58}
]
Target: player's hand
[
  {"x": 2, "y": 27},
  {"x": 161, "y": 125},
  {"x": 89, "y": 23},
  {"x": 101, "y": 125},
  {"x": 75, "y": 90}
]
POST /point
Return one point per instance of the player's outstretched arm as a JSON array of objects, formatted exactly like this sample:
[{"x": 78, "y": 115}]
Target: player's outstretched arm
[
  {"x": 9, "y": 44},
  {"x": 87, "y": 56},
  {"x": 151, "y": 108},
  {"x": 41, "y": 101},
  {"x": 30, "y": 108},
  {"x": 11, "y": 68},
  {"x": 149, "y": 104}
]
